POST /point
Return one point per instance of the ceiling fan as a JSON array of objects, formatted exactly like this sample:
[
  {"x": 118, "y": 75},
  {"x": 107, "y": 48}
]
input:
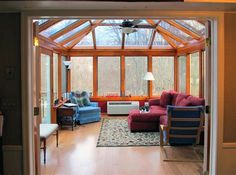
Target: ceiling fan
[{"x": 128, "y": 26}]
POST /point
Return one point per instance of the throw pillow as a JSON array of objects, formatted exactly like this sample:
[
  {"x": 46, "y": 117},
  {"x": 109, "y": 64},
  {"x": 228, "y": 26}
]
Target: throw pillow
[
  {"x": 73, "y": 100},
  {"x": 86, "y": 101},
  {"x": 80, "y": 102},
  {"x": 179, "y": 98},
  {"x": 195, "y": 101},
  {"x": 165, "y": 99},
  {"x": 184, "y": 102}
]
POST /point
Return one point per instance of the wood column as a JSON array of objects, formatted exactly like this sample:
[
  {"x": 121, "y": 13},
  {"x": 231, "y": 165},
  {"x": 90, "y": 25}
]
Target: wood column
[
  {"x": 176, "y": 73},
  {"x": 59, "y": 76},
  {"x": 201, "y": 73},
  {"x": 95, "y": 76},
  {"x": 188, "y": 73},
  {"x": 150, "y": 70},
  {"x": 68, "y": 74},
  {"x": 122, "y": 75}
]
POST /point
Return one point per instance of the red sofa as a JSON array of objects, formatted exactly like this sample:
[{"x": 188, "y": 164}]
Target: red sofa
[{"x": 150, "y": 121}]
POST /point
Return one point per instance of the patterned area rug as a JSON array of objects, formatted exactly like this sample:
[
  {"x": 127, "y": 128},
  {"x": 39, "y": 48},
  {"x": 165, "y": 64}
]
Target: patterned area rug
[{"x": 115, "y": 133}]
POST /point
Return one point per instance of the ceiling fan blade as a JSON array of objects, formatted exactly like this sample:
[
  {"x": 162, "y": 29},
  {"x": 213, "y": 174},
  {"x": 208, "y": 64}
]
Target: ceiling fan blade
[{"x": 136, "y": 22}]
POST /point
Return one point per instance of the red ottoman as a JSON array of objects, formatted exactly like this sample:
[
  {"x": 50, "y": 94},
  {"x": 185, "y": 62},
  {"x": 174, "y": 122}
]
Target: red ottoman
[{"x": 143, "y": 121}]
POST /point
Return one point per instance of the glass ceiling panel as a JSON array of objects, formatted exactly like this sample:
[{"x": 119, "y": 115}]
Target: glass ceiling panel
[
  {"x": 160, "y": 41},
  {"x": 72, "y": 32},
  {"x": 86, "y": 41},
  {"x": 139, "y": 38},
  {"x": 110, "y": 21},
  {"x": 189, "y": 27},
  {"x": 175, "y": 31},
  {"x": 57, "y": 27},
  {"x": 194, "y": 26},
  {"x": 108, "y": 36},
  {"x": 156, "y": 21}
]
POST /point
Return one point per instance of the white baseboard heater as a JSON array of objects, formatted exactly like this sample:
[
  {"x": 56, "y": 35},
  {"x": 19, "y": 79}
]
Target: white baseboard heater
[{"x": 121, "y": 107}]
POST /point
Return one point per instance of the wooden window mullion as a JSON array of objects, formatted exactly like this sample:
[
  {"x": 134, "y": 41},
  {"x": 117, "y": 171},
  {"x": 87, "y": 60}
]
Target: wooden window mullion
[
  {"x": 95, "y": 76},
  {"x": 188, "y": 73}
]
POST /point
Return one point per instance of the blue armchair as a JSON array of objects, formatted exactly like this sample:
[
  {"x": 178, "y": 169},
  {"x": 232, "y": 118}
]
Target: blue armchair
[{"x": 86, "y": 114}]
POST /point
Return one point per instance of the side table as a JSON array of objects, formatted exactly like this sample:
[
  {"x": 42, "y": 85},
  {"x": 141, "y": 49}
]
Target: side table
[{"x": 66, "y": 116}]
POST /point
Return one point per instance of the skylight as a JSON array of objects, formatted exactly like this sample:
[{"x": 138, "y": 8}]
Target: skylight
[
  {"x": 159, "y": 41},
  {"x": 86, "y": 41},
  {"x": 72, "y": 32},
  {"x": 108, "y": 36},
  {"x": 141, "y": 38},
  {"x": 57, "y": 27}
]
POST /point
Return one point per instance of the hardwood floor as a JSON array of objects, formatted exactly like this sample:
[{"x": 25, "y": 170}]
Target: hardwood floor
[{"x": 77, "y": 154}]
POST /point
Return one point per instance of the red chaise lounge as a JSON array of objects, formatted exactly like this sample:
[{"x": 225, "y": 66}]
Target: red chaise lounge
[{"x": 150, "y": 121}]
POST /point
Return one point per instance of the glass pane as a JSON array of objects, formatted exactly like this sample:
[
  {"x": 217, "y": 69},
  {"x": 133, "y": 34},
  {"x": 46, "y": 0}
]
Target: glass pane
[
  {"x": 194, "y": 27},
  {"x": 108, "y": 76},
  {"x": 163, "y": 72},
  {"x": 57, "y": 27},
  {"x": 55, "y": 76},
  {"x": 159, "y": 41},
  {"x": 182, "y": 73},
  {"x": 72, "y": 32},
  {"x": 195, "y": 24},
  {"x": 112, "y": 21},
  {"x": 175, "y": 31},
  {"x": 82, "y": 74},
  {"x": 140, "y": 38},
  {"x": 135, "y": 69},
  {"x": 45, "y": 89},
  {"x": 194, "y": 74},
  {"x": 86, "y": 41},
  {"x": 108, "y": 36}
]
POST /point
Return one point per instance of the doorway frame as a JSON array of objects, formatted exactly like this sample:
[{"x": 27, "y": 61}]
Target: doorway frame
[{"x": 217, "y": 73}]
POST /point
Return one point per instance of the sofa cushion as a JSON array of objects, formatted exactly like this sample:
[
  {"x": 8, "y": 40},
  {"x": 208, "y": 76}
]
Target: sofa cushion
[
  {"x": 164, "y": 120},
  {"x": 88, "y": 109},
  {"x": 136, "y": 116},
  {"x": 154, "y": 102},
  {"x": 159, "y": 110},
  {"x": 80, "y": 101},
  {"x": 165, "y": 99},
  {"x": 195, "y": 101},
  {"x": 179, "y": 98}
]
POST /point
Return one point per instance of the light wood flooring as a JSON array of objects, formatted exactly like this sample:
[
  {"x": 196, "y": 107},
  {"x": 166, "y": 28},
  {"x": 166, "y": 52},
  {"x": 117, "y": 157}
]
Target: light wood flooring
[{"x": 77, "y": 154}]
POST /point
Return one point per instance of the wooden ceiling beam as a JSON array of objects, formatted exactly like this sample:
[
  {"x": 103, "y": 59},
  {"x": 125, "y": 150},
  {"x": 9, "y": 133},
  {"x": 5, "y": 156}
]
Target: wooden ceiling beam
[
  {"x": 168, "y": 39},
  {"x": 83, "y": 33},
  {"x": 68, "y": 29},
  {"x": 183, "y": 29},
  {"x": 48, "y": 24},
  {"x": 123, "y": 41},
  {"x": 94, "y": 39},
  {"x": 47, "y": 41},
  {"x": 152, "y": 39},
  {"x": 162, "y": 30}
]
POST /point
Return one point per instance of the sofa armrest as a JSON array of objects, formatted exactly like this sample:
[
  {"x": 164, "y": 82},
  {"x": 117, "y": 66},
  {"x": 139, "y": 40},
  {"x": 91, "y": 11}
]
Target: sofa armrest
[
  {"x": 153, "y": 102},
  {"x": 94, "y": 104}
]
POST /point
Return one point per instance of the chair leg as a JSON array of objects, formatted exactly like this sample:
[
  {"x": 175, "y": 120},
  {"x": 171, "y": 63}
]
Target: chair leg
[
  {"x": 57, "y": 137},
  {"x": 72, "y": 122},
  {"x": 161, "y": 137},
  {"x": 44, "y": 150}
]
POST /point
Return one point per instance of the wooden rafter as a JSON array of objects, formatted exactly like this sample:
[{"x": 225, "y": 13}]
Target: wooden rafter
[
  {"x": 83, "y": 33},
  {"x": 162, "y": 30},
  {"x": 152, "y": 39},
  {"x": 68, "y": 29},
  {"x": 78, "y": 34},
  {"x": 94, "y": 39},
  {"x": 123, "y": 41},
  {"x": 201, "y": 21},
  {"x": 183, "y": 29},
  {"x": 53, "y": 44},
  {"x": 168, "y": 39},
  {"x": 48, "y": 24}
]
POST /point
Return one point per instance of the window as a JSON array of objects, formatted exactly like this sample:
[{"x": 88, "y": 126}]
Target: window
[
  {"x": 163, "y": 72},
  {"x": 108, "y": 76},
  {"x": 55, "y": 76},
  {"x": 182, "y": 74},
  {"x": 194, "y": 74},
  {"x": 135, "y": 69},
  {"x": 82, "y": 74}
]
